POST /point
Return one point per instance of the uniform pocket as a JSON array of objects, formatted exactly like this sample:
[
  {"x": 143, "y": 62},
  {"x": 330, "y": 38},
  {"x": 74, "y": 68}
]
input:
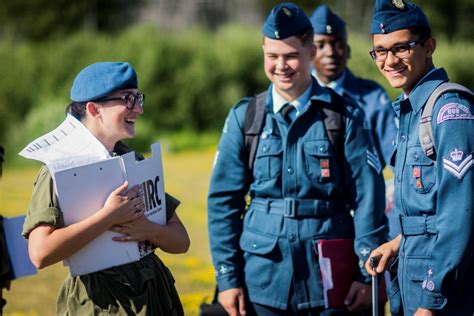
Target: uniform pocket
[
  {"x": 423, "y": 173},
  {"x": 414, "y": 274},
  {"x": 259, "y": 257},
  {"x": 321, "y": 164},
  {"x": 416, "y": 268},
  {"x": 268, "y": 158}
]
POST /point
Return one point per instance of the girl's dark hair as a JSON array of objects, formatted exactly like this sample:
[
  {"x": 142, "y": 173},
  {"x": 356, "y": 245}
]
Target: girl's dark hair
[{"x": 77, "y": 109}]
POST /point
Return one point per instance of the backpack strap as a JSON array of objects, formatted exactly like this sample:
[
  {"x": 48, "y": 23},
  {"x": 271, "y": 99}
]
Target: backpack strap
[
  {"x": 253, "y": 124},
  {"x": 425, "y": 130},
  {"x": 334, "y": 123}
]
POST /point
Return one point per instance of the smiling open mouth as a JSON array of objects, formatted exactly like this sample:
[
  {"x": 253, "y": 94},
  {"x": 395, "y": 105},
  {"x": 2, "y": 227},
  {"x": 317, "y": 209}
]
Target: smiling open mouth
[{"x": 396, "y": 72}]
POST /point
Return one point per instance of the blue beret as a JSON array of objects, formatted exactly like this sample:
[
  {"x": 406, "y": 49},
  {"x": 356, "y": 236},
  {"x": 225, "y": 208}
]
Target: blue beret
[
  {"x": 285, "y": 20},
  {"x": 325, "y": 22},
  {"x": 394, "y": 15},
  {"x": 101, "y": 79}
]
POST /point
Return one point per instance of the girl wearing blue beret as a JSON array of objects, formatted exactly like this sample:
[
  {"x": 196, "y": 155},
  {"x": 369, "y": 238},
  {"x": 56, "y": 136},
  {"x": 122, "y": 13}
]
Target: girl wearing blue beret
[{"x": 107, "y": 102}]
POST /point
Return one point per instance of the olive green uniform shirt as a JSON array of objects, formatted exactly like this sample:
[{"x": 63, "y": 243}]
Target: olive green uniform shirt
[{"x": 144, "y": 287}]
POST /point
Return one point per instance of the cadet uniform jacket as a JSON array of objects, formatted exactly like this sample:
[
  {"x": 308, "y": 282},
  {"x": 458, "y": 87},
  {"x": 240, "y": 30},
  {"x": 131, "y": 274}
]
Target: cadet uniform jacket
[
  {"x": 436, "y": 198},
  {"x": 299, "y": 195},
  {"x": 373, "y": 99}
]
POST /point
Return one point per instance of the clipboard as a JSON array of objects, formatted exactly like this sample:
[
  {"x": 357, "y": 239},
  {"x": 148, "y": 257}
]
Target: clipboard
[{"x": 83, "y": 190}]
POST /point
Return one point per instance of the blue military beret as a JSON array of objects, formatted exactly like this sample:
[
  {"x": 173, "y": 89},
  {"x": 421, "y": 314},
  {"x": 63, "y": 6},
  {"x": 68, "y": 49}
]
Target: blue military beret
[
  {"x": 101, "y": 79},
  {"x": 285, "y": 20},
  {"x": 394, "y": 15},
  {"x": 325, "y": 22}
]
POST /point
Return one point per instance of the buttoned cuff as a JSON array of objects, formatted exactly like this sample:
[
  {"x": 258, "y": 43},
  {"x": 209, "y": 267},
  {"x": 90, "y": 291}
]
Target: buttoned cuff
[{"x": 431, "y": 300}]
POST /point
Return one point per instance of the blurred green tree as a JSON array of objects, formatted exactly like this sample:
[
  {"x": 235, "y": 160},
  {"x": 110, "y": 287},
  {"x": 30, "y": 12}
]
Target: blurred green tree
[{"x": 42, "y": 19}]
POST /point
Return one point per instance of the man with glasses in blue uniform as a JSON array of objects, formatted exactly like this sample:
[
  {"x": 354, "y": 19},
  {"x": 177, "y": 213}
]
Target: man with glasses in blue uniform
[{"x": 433, "y": 189}]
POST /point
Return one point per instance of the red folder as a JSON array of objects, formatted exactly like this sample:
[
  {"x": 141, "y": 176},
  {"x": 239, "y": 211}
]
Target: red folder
[{"x": 338, "y": 264}]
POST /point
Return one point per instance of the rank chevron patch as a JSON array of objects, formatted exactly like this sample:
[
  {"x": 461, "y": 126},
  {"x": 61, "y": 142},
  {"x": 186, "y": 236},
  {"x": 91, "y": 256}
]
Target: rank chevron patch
[
  {"x": 458, "y": 167},
  {"x": 373, "y": 161}
]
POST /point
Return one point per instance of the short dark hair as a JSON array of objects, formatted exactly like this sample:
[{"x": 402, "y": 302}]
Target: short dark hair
[{"x": 77, "y": 109}]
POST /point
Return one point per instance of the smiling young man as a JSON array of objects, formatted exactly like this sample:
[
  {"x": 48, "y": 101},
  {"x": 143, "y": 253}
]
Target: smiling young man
[
  {"x": 265, "y": 254},
  {"x": 434, "y": 194}
]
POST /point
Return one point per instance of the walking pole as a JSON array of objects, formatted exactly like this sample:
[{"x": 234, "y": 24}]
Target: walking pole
[{"x": 374, "y": 261}]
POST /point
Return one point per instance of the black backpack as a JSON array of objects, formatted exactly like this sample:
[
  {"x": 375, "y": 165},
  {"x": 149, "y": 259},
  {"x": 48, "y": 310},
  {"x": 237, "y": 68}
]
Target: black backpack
[
  {"x": 425, "y": 130},
  {"x": 334, "y": 122}
]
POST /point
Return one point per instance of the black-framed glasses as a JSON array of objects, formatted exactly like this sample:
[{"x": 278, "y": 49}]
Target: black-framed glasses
[
  {"x": 400, "y": 51},
  {"x": 130, "y": 99}
]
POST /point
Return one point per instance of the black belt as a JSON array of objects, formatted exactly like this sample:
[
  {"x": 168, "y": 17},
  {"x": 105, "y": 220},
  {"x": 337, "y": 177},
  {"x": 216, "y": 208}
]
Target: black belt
[
  {"x": 289, "y": 207},
  {"x": 418, "y": 225}
]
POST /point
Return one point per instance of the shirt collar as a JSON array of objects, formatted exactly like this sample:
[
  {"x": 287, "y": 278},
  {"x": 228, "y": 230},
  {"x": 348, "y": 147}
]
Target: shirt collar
[
  {"x": 424, "y": 88},
  {"x": 336, "y": 85},
  {"x": 300, "y": 103}
]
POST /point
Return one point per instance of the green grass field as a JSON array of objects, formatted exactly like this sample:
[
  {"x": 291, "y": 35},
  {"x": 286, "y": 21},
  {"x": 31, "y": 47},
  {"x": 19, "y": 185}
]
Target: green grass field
[{"x": 186, "y": 177}]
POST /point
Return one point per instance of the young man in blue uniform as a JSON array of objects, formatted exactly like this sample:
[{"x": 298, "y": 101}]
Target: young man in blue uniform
[
  {"x": 330, "y": 69},
  {"x": 434, "y": 196},
  {"x": 265, "y": 255}
]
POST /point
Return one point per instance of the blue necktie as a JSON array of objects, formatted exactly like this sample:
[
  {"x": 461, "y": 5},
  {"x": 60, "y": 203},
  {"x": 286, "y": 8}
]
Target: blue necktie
[{"x": 285, "y": 112}]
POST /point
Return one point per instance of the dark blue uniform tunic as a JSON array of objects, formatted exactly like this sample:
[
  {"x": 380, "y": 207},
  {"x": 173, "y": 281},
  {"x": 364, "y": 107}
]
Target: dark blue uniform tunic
[{"x": 269, "y": 248}]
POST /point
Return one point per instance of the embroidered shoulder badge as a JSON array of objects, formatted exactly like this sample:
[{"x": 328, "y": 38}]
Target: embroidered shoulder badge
[
  {"x": 454, "y": 111},
  {"x": 455, "y": 163},
  {"x": 373, "y": 161}
]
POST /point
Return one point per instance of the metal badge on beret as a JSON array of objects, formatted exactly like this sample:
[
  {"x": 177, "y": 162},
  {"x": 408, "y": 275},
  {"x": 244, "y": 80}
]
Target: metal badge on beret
[
  {"x": 399, "y": 4},
  {"x": 287, "y": 12}
]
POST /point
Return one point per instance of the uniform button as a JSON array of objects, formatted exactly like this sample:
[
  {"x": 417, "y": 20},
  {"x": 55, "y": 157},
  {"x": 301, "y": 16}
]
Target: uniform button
[
  {"x": 399, "y": 179},
  {"x": 254, "y": 245},
  {"x": 265, "y": 149},
  {"x": 290, "y": 170},
  {"x": 292, "y": 238},
  {"x": 403, "y": 138},
  {"x": 415, "y": 156},
  {"x": 322, "y": 149}
]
